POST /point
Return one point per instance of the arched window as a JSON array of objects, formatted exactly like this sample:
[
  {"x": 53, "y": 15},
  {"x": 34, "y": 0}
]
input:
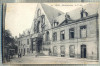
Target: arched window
[
  {"x": 43, "y": 24},
  {"x": 38, "y": 27},
  {"x": 47, "y": 36},
  {"x": 38, "y": 13},
  {"x": 43, "y": 19}
]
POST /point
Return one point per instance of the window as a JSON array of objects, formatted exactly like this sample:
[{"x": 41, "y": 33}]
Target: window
[
  {"x": 19, "y": 43},
  {"x": 38, "y": 27},
  {"x": 19, "y": 50},
  {"x": 27, "y": 41},
  {"x": 62, "y": 50},
  {"x": 72, "y": 50},
  {"x": 55, "y": 36},
  {"x": 71, "y": 33},
  {"x": 27, "y": 50},
  {"x": 62, "y": 35},
  {"x": 56, "y": 23},
  {"x": 38, "y": 13},
  {"x": 43, "y": 19},
  {"x": 54, "y": 50},
  {"x": 83, "y": 31},
  {"x": 43, "y": 24},
  {"x": 47, "y": 36}
]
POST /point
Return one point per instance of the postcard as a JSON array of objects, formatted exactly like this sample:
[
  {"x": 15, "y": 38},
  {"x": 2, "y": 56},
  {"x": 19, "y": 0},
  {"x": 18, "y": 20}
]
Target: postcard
[{"x": 51, "y": 33}]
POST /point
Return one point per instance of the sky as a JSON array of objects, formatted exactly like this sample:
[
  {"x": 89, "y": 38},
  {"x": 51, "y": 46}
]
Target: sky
[{"x": 19, "y": 16}]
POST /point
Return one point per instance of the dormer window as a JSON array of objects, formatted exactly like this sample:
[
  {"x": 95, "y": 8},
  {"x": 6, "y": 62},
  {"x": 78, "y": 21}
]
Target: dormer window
[
  {"x": 38, "y": 13},
  {"x": 55, "y": 23}
]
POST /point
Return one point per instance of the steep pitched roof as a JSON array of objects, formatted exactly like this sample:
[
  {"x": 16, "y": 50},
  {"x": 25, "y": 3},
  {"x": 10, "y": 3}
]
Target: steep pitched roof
[{"x": 51, "y": 12}]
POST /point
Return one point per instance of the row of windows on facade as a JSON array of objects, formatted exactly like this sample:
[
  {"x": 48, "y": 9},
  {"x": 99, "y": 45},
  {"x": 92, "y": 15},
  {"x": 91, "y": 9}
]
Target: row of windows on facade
[
  {"x": 71, "y": 50},
  {"x": 21, "y": 50},
  {"x": 62, "y": 49},
  {"x": 20, "y": 42},
  {"x": 83, "y": 33}
]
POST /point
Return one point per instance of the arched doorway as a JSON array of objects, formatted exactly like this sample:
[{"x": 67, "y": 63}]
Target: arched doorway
[{"x": 83, "y": 51}]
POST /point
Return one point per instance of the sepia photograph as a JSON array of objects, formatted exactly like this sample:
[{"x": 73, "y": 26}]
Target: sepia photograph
[{"x": 50, "y": 33}]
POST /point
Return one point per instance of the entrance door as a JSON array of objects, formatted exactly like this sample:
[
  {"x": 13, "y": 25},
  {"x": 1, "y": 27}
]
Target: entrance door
[
  {"x": 39, "y": 45},
  {"x": 83, "y": 51}
]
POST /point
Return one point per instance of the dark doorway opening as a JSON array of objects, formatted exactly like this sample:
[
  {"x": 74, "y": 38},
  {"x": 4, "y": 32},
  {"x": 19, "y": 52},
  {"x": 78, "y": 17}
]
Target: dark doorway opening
[
  {"x": 83, "y": 51},
  {"x": 39, "y": 45}
]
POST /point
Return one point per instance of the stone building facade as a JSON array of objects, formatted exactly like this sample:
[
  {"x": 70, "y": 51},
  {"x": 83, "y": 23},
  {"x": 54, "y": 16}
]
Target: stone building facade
[{"x": 73, "y": 34}]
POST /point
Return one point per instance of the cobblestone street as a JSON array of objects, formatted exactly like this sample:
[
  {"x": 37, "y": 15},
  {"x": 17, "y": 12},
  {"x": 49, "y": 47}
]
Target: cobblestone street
[{"x": 50, "y": 60}]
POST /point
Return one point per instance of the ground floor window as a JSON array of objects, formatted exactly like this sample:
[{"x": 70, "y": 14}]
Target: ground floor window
[
  {"x": 72, "y": 51},
  {"x": 55, "y": 50},
  {"x": 27, "y": 50},
  {"x": 21, "y": 50},
  {"x": 62, "y": 48}
]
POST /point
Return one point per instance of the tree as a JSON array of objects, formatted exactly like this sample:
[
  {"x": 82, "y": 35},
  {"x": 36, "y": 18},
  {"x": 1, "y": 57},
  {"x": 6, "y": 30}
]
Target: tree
[
  {"x": 9, "y": 43},
  {"x": 7, "y": 37}
]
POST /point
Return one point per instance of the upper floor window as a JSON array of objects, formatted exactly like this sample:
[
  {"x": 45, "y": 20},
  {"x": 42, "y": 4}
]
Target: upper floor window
[
  {"x": 38, "y": 27},
  {"x": 83, "y": 31},
  {"x": 47, "y": 36},
  {"x": 43, "y": 24},
  {"x": 27, "y": 41},
  {"x": 55, "y": 24},
  {"x": 72, "y": 50},
  {"x": 19, "y": 43},
  {"x": 55, "y": 36},
  {"x": 62, "y": 35},
  {"x": 43, "y": 18},
  {"x": 71, "y": 33},
  {"x": 38, "y": 13}
]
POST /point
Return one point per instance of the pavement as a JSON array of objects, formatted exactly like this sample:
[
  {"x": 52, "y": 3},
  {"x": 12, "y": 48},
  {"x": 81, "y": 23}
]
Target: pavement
[{"x": 50, "y": 60}]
